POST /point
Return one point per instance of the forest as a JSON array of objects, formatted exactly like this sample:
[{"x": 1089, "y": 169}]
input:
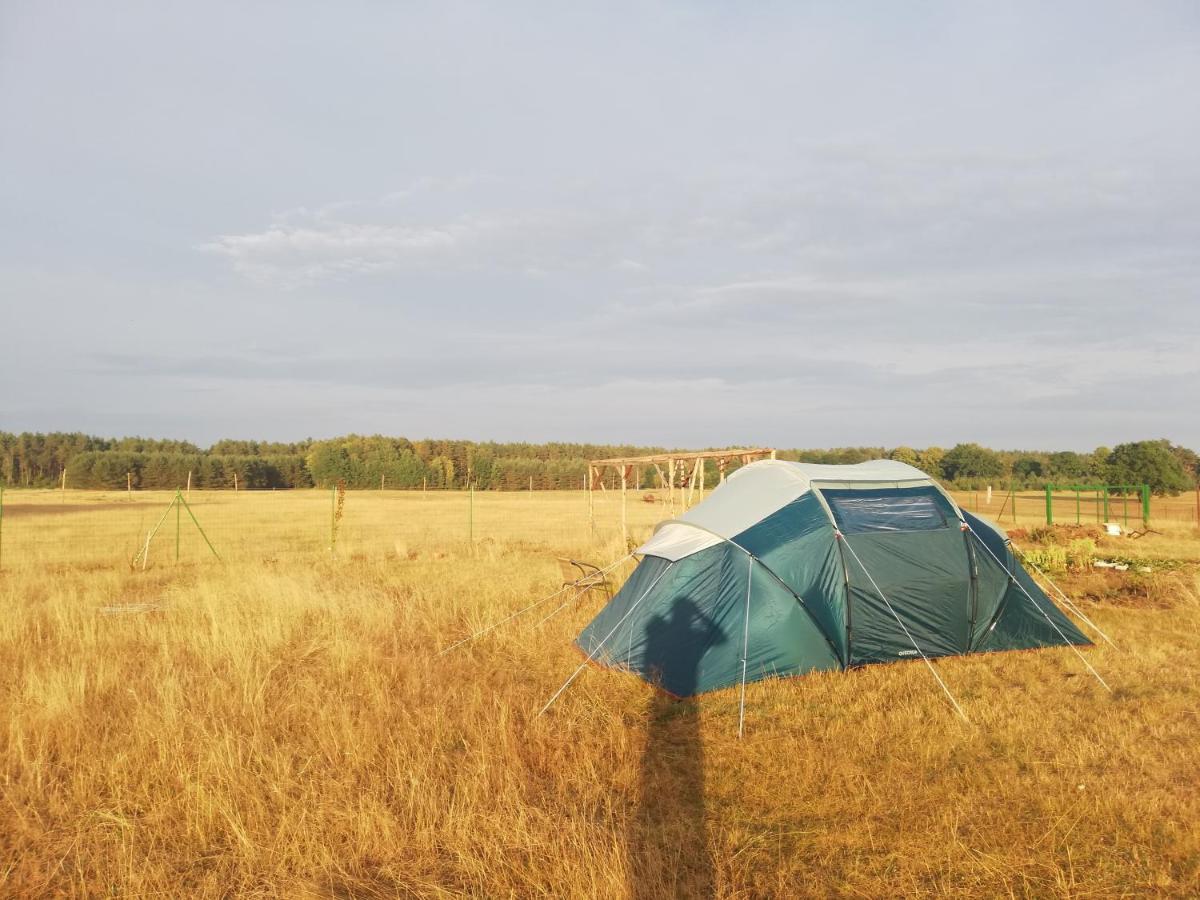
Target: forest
[{"x": 362, "y": 462}]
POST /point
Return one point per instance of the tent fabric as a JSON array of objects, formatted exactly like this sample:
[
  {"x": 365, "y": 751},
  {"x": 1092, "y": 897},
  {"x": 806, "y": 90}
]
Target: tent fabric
[
  {"x": 753, "y": 492},
  {"x": 688, "y": 633},
  {"x": 839, "y": 566}
]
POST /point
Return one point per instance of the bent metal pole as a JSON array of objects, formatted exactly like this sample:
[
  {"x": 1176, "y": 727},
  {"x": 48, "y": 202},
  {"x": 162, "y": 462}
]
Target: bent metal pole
[
  {"x": 536, "y": 603},
  {"x": 600, "y": 646}
]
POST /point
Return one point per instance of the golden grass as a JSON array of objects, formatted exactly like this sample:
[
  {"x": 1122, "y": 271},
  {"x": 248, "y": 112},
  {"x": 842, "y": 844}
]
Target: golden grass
[{"x": 282, "y": 725}]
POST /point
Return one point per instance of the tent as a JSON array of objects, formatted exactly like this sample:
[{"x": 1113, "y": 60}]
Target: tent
[{"x": 788, "y": 568}]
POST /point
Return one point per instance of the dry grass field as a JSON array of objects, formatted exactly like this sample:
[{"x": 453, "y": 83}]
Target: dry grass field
[{"x": 281, "y": 724}]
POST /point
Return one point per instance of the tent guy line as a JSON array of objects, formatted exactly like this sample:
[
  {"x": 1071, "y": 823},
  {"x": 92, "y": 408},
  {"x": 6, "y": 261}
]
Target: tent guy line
[
  {"x": 1082, "y": 658},
  {"x": 1067, "y": 600},
  {"x": 525, "y": 609},
  {"x": 592, "y": 655},
  {"x": 846, "y": 543},
  {"x": 869, "y": 563}
]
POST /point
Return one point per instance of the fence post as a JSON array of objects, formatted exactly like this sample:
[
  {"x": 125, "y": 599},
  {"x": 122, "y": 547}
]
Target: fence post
[
  {"x": 624, "y": 511},
  {"x": 1049, "y": 505},
  {"x": 1145, "y": 506},
  {"x": 1106, "y": 503}
]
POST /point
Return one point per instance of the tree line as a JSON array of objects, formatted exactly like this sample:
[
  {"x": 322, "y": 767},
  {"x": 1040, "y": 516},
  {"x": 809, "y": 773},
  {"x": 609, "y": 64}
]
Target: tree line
[{"x": 33, "y": 460}]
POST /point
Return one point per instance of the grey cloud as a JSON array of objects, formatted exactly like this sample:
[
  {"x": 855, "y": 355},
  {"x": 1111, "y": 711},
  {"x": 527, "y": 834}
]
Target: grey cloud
[{"x": 670, "y": 224}]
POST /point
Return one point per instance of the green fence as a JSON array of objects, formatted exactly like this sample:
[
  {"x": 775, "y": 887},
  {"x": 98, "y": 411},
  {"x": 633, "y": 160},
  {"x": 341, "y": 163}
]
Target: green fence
[{"x": 1100, "y": 502}]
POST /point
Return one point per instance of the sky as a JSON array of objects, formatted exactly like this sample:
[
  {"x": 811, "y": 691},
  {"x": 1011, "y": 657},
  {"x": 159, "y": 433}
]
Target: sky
[{"x": 671, "y": 224}]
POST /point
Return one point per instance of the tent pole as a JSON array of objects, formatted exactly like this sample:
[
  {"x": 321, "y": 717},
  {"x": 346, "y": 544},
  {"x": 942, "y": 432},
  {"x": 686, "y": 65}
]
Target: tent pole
[
  {"x": 842, "y": 538},
  {"x": 745, "y": 644},
  {"x": 592, "y": 655},
  {"x": 526, "y": 609},
  {"x": 1082, "y": 658}
]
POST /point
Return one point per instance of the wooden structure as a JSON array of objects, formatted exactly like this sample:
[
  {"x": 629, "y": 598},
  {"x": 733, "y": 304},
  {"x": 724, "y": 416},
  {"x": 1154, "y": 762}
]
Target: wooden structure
[{"x": 682, "y": 469}]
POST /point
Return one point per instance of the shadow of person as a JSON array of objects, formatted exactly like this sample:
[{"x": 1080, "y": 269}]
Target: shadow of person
[{"x": 668, "y": 846}]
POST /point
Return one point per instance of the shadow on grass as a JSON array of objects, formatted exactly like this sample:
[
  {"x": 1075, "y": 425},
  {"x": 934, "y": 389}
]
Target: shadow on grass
[{"x": 668, "y": 844}]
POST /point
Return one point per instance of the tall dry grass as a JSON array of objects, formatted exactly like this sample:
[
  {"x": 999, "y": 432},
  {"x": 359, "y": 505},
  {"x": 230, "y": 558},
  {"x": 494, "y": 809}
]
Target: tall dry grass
[{"x": 283, "y": 726}]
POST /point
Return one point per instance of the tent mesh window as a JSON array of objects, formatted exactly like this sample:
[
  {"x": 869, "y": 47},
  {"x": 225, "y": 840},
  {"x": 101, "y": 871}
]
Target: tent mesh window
[{"x": 889, "y": 509}]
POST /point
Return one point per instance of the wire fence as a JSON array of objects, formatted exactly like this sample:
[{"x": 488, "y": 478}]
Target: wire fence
[
  {"x": 1068, "y": 507},
  {"x": 144, "y": 529}
]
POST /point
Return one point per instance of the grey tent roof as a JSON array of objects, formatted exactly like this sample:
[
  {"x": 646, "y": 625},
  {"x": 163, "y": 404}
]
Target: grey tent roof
[{"x": 755, "y": 491}]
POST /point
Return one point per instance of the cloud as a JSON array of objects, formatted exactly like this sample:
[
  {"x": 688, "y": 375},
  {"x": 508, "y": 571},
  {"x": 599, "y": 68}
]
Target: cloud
[
  {"x": 473, "y": 220},
  {"x": 292, "y": 255}
]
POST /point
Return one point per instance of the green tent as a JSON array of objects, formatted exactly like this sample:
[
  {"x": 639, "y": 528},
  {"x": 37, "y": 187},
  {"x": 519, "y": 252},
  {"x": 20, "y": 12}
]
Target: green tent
[{"x": 789, "y": 567}]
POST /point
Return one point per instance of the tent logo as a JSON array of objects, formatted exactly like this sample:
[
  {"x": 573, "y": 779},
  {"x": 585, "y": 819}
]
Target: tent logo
[{"x": 906, "y": 653}]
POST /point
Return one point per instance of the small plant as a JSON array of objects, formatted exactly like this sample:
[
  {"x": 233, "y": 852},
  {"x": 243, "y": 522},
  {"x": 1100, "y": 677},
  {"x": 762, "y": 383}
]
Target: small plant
[
  {"x": 1080, "y": 554},
  {"x": 1052, "y": 558},
  {"x": 339, "y": 506}
]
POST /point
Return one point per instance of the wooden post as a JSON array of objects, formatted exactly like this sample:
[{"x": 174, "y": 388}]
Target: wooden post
[
  {"x": 424, "y": 480},
  {"x": 691, "y": 484},
  {"x": 189, "y": 487},
  {"x": 64, "y": 485},
  {"x": 530, "y": 485},
  {"x": 382, "y": 480},
  {"x": 129, "y": 484},
  {"x": 235, "y": 486},
  {"x": 591, "y": 506},
  {"x": 624, "y": 522},
  {"x": 671, "y": 482}
]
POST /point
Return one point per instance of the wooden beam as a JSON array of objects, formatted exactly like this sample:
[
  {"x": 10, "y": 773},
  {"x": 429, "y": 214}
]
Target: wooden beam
[{"x": 698, "y": 454}]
